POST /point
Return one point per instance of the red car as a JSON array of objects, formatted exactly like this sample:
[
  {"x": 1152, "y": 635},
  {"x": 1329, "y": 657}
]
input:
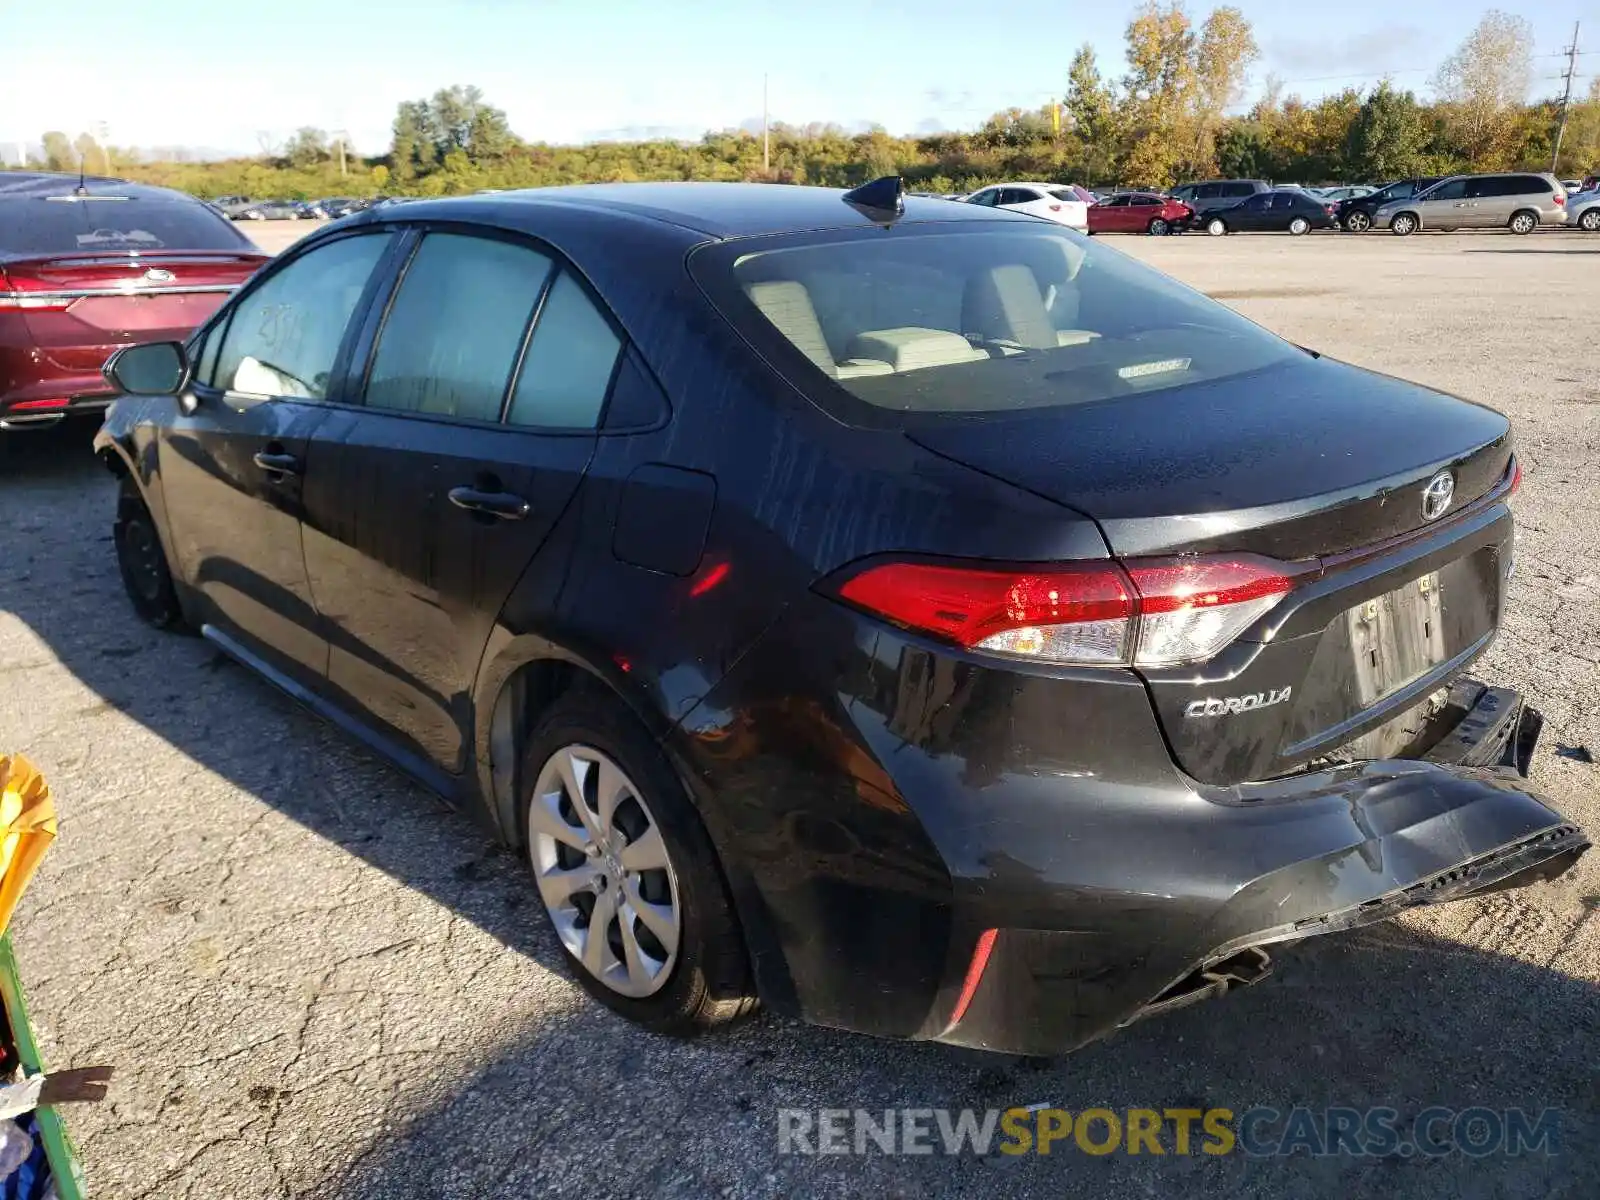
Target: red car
[
  {"x": 88, "y": 265},
  {"x": 1138, "y": 212}
]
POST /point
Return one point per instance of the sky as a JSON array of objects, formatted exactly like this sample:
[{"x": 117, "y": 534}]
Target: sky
[{"x": 232, "y": 77}]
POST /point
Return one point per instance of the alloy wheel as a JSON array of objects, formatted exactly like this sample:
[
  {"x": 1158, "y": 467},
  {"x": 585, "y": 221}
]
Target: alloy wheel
[
  {"x": 603, "y": 871},
  {"x": 1158, "y": 228},
  {"x": 1522, "y": 223},
  {"x": 1590, "y": 221},
  {"x": 1298, "y": 226},
  {"x": 1216, "y": 228},
  {"x": 1358, "y": 222},
  {"x": 1404, "y": 224}
]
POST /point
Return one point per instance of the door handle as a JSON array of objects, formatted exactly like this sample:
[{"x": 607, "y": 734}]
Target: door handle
[
  {"x": 277, "y": 463},
  {"x": 502, "y": 505}
]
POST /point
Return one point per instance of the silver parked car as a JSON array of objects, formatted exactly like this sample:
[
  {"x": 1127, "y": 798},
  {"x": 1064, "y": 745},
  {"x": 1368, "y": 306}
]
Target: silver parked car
[
  {"x": 1520, "y": 201},
  {"x": 1583, "y": 210}
]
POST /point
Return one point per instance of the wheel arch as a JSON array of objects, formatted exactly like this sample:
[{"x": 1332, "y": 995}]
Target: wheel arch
[{"x": 519, "y": 678}]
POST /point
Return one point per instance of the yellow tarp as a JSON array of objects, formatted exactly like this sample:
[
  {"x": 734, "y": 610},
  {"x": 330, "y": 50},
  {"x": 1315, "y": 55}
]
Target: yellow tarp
[{"x": 27, "y": 825}]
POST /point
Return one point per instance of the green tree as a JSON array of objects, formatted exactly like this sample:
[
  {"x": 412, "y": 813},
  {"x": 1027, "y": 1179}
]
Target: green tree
[
  {"x": 58, "y": 152},
  {"x": 307, "y": 148},
  {"x": 1388, "y": 136},
  {"x": 1244, "y": 151},
  {"x": 1091, "y": 111}
]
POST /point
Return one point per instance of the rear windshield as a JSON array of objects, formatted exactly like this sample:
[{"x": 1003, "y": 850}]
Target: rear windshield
[
  {"x": 994, "y": 318},
  {"x": 33, "y": 226},
  {"x": 1064, "y": 194}
]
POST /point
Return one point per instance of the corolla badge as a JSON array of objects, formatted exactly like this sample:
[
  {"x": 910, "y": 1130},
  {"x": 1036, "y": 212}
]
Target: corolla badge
[
  {"x": 1437, "y": 495},
  {"x": 1213, "y": 707},
  {"x": 157, "y": 275}
]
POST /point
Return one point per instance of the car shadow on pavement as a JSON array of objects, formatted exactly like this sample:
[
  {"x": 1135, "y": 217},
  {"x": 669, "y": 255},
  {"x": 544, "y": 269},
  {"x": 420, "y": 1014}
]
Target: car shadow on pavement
[
  {"x": 1389, "y": 1017},
  {"x": 585, "y": 1103}
]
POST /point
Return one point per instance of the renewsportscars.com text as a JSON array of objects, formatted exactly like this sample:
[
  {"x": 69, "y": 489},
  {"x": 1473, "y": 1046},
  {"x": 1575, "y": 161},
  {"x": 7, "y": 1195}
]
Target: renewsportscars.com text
[{"x": 1257, "y": 1132}]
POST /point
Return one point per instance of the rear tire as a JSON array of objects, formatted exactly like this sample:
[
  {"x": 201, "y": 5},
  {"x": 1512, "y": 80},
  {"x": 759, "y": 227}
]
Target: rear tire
[
  {"x": 1216, "y": 227},
  {"x": 142, "y": 561},
  {"x": 1403, "y": 225},
  {"x": 1358, "y": 222},
  {"x": 1523, "y": 223},
  {"x": 1299, "y": 227},
  {"x": 707, "y": 975}
]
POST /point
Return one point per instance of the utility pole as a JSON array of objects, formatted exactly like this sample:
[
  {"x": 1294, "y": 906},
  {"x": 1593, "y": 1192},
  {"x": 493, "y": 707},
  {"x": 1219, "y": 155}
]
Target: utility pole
[
  {"x": 1566, "y": 99},
  {"x": 766, "y": 137}
]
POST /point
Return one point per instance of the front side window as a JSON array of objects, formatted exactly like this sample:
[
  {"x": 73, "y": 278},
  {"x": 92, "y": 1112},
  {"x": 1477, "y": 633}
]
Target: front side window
[
  {"x": 282, "y": 338},
  {"x": 927, "y": 320},
  {"x": 1455, "y": 189},
  {"x": 451, "y": 337}
]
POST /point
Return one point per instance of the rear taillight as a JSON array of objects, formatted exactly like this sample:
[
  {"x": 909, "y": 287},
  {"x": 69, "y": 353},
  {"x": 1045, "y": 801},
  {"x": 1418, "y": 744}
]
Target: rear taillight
[
  {"x": 1055, "y": 208},
  {"x": 40, "y": 405},
  {"x": 15, "y": 294},
  {"x": 1141, "y": 613},
  {"x": 1560, "y": 199},
  {"x": 1516, "y": 477}
]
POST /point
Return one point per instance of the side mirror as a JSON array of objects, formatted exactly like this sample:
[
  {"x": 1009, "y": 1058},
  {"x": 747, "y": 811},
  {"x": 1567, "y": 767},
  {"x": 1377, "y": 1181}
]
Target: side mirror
[{"x": 155, "y": 369}]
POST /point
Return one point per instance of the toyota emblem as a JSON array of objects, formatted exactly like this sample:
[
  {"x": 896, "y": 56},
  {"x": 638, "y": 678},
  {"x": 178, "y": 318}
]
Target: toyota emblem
[
  {"x": 1437, "y": 495},
  {"x": 157, "y": 275}
]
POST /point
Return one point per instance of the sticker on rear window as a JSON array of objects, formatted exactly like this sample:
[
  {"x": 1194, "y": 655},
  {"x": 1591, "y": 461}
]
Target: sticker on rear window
[{"x": 119, "y": 237}]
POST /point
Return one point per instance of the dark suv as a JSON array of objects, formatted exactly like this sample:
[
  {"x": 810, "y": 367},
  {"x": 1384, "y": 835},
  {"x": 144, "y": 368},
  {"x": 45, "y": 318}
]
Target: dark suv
[
  {"x": 1217, "y": 193},
  {"x": 1355, "y": 215}
]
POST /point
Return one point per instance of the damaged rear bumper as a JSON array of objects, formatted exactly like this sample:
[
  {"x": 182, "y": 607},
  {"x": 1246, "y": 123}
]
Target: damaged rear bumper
[{"x": 1259, "y": 865}]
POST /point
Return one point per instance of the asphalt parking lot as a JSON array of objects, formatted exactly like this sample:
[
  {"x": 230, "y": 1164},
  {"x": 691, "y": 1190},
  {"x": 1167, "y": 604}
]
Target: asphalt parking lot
[{"x": 315, "y": 981}]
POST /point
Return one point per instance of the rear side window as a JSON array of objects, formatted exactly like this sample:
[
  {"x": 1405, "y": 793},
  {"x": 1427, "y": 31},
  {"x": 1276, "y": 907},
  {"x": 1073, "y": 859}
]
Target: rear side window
[
  {"x": 36, "y": 226},
  {"x": 1238, "y": 189},
  {"x": 1208, "y": 191},
  {"x": 1018, "y": 196},
  {"x": 939, "y": 321},
  {"x": 567, "y": 370},
  {"x": 283, "y": 337},
  {"x": 450, "y": 340}
]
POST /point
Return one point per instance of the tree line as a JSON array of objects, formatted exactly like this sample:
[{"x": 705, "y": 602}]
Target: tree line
[{"x": 1171, "y": 116}]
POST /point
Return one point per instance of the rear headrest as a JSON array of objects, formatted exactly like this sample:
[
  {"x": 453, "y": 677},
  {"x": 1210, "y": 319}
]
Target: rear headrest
[
  {"x": 1004, "y": 304},
  {"x": 787, "y": 304}
]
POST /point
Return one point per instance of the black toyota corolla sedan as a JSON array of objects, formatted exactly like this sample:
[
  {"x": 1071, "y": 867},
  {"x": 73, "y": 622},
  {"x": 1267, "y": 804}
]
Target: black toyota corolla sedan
[{"x": 913, "y": 616}]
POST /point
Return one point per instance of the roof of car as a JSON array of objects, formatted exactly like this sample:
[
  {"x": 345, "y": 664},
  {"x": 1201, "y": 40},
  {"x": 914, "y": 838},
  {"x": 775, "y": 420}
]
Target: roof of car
[
  {"x": 34, "y": 185},
  {"x": 717, "y": 209}
]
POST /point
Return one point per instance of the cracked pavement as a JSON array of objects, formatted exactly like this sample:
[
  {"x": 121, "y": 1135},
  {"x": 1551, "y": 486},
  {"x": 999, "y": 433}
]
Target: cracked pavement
[{"x": 315, "y": 981}]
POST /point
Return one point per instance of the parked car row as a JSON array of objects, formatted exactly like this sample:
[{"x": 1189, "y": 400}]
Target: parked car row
[
  {"x": 1520, "y": 201},
  {"x": 240, "y": 208}
]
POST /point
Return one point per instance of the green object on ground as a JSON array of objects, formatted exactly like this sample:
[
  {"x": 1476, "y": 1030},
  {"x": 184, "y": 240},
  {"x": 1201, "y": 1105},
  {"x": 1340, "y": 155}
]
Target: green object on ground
[{"x": 57, "y": 1145}]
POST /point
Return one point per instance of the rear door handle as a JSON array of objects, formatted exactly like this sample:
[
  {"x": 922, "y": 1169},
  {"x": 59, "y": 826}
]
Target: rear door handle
[
  {"x": 277, "y": 463},
  {"x": 503, "y": 505}
]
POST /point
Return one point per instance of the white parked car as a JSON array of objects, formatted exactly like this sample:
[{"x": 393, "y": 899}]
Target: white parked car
[{"x": 1053, "y": 201}]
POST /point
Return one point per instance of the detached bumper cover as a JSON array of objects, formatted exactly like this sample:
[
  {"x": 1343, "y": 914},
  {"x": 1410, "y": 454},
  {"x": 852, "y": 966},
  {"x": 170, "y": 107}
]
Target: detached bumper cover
[{"x": 1355, "y": 845}]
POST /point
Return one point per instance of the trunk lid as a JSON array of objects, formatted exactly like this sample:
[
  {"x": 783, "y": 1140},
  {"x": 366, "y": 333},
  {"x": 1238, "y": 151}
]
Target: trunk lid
[
  {"x": 1302, "y": 460},
  {"x": 78, "y": 308},
  {"x": 1314, "y": 463}
]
